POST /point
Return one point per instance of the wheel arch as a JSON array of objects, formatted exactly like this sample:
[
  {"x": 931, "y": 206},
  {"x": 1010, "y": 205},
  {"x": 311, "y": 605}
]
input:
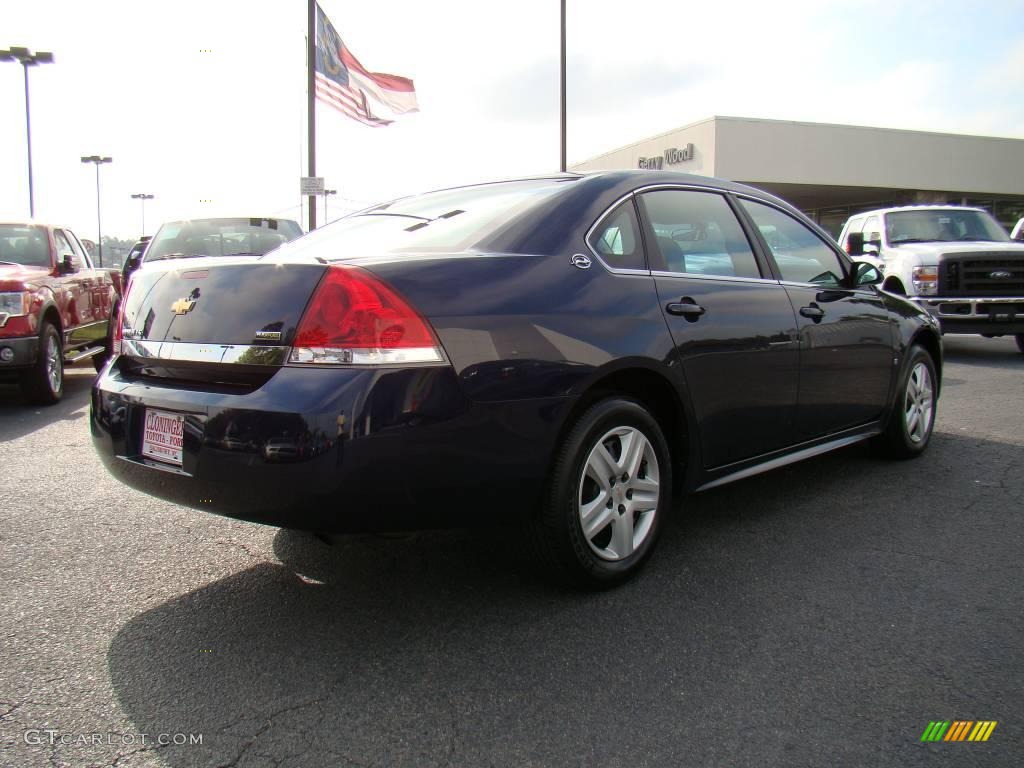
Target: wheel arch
[
  {"x": 656, "y": 391},
  {"x": 894, "y": 285},
  {"x": 932, "y": 344}
]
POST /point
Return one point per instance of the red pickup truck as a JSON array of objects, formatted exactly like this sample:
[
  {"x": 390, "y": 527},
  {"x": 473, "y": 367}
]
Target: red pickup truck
[{"x": 55, "y": 307}]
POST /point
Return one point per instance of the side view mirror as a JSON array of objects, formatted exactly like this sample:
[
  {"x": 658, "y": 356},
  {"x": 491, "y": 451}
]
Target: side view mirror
[
  {"x": 131, "y": 264},
  {"x": 866, "y": 274},
  {"x": 67, "y": 266},
  {"x": 855, "y": 243}
]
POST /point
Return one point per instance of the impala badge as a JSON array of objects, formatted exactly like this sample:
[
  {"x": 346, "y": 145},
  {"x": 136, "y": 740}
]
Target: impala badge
[
  {"x": 1000, "y": 274},
  {"x": 580, "y": 261},
  {"x": 183, "y": 306},
  {"x": 268, "y": 335}
]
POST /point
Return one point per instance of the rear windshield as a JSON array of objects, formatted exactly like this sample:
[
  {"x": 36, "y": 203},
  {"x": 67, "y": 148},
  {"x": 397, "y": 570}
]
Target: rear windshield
[
  {"x": 449, "y": 221},
  {"x": 24, "y": 244},
  {"x": 221, "y": 237},
  {"x": 942, "y": 225}
]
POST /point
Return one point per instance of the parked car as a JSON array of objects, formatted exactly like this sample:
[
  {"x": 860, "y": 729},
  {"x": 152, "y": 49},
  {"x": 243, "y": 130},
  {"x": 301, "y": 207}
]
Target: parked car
[
  {"x": 54, "y": 307},
  {"x": 134, "y": 258},
  {"x": 526, "y": 351},
  {"x": 213, "y": 237},
  {"x": 956, "y": 262}
]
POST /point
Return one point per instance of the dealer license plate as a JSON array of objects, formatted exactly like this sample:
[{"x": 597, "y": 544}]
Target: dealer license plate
[{"x": 161, "y": 436}]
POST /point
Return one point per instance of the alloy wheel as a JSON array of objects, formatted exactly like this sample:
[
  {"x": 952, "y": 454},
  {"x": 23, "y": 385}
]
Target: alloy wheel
[
  {"x": 53, "y": 363},
  {"x": 618, "y": 493},
  {"x": 919, "y": 404}
]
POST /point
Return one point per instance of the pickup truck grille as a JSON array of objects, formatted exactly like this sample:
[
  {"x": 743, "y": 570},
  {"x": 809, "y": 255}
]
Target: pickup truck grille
[{"x": 967, "y": 275}]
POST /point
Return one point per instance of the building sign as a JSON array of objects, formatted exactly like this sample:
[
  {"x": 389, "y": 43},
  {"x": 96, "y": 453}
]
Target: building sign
[{"x": 670, "y": 156}]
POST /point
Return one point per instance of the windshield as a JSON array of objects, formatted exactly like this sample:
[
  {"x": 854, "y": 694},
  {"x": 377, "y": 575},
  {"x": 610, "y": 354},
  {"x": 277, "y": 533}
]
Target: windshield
[
  {"x": 437, "y": 222},
  {"x": 943, "y": 225},
  {"x": 24, "y": 244},
  {"x": 221, "y": 237}
]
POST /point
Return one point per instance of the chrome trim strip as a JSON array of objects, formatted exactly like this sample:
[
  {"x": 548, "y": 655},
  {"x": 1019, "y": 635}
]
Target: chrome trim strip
[
  {"x": 242, "y": 354},
  {"x": 729, "y": 278}
]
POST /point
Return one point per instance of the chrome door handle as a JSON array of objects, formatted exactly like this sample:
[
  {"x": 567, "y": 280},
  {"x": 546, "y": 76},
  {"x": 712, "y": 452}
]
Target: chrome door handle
[
  {"x": 813, "y": 312},
  {"x": 686, "y": 310}
]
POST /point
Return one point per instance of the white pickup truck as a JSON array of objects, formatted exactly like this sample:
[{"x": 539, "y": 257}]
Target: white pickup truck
[{"x": 957, "y": 262}]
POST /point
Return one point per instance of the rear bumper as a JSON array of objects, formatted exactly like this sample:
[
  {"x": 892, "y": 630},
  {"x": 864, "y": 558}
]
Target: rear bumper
[
  {"x": 337, "y": 450},
  {"x": 25, "y": 351},
  {"x": 990, "y": 315}
]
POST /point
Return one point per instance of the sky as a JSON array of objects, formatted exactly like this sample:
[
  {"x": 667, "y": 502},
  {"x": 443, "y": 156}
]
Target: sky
[{"x": 202, "y": 103}]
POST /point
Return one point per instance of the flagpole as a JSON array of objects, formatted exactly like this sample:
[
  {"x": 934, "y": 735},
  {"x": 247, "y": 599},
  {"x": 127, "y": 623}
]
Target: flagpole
[
  {"x": 310, "y": 105},
  {"x": 562, "y": 94}
]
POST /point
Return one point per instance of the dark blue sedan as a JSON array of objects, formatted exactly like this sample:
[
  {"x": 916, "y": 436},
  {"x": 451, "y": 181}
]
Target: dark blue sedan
[{"x": 570, "y": 354}]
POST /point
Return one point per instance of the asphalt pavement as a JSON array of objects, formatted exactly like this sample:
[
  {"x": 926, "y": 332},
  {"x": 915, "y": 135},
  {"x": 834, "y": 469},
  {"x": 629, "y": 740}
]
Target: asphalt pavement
[{"x": 820, "y": 615}]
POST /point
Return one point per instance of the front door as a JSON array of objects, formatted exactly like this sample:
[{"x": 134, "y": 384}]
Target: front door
[
  {"x": 732, "y": 324},
  {"x": 846, "y": 335}
]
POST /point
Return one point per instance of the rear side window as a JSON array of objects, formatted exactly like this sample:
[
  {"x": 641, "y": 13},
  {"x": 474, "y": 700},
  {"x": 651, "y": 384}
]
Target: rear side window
[
  {"x": 697, "y": 233},
  {"x": 802, "y": 256},
  {"x": 616, "y": 239}
]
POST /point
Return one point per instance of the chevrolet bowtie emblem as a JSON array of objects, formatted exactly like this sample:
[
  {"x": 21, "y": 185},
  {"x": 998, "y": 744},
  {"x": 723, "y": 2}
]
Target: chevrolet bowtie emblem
[{"x": 183, "y": 306}]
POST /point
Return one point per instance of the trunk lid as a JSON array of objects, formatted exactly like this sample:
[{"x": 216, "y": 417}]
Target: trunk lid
[{"x": 214, "y": 321}]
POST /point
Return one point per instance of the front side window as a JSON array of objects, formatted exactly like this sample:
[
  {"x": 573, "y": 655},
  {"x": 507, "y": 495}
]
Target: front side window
[
  {"x": 617, "y": 239},
  {"x": 697, "y": 233},
  {"x": 64, "y": 248},
  {"x": 801, "y": 256}
]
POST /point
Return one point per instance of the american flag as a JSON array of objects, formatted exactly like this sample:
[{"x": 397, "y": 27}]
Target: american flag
[{"x": 371, "y": 98}]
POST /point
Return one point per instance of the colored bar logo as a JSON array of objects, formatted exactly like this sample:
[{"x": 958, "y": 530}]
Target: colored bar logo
[{"x": 958, "y": 730}]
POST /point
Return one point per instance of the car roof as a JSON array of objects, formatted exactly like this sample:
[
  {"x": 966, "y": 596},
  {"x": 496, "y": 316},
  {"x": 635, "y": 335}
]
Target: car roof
[{"x": 919, "y": 207}]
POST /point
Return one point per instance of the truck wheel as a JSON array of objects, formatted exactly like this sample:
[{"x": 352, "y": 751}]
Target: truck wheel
[
  {"x": 913, "y": 412},
  {"x": 1020, "y": 341},
  {"x": 43, "y": 383}
]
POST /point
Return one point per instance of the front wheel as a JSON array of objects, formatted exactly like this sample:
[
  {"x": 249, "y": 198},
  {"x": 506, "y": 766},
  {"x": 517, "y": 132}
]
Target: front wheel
[
  {"x": 608, "y": 494},
  {"x": 43, "y": 383},
  {"x": 1020, "y": 341},
  {"x": 913, "y": 413}
]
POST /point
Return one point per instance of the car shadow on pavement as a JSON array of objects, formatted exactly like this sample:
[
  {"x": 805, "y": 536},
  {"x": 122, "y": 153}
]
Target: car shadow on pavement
[
  {"x": 771, "y": 595},
  {"x": 19, "y": 418}
]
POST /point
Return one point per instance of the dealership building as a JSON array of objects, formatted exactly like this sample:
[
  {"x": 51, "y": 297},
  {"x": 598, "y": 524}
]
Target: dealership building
[{"x": 834, "y": 171}]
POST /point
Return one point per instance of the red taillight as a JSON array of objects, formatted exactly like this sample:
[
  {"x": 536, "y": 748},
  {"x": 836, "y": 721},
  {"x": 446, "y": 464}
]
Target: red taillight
[{"x": 354, "y": 317}]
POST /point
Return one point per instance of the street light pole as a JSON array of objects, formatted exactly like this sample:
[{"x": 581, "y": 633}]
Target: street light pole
[
  {"x": 328, "y": 192},
  {"x": 27, "y": 59},
  {"x": 98, "y": 161},
  {"x": 143, "y": 197}
]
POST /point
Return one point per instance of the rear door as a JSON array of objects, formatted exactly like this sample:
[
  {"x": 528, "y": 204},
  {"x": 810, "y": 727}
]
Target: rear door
[
  {"x": 731, "y": 321},
  {"x": 846, "y": 336}
]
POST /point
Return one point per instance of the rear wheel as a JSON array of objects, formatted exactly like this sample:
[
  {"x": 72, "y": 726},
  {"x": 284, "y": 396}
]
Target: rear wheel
[
  {"x": 43, "y": 383},
  {"x": 608, "y": 494},
  {"x": 913, "y": 414},
  {"x": 1020, "y": 341}
]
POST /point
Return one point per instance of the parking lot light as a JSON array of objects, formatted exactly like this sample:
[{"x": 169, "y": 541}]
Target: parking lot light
[
  {"x": 27, "y": 59},
  {"x": 98, "y": 160}
]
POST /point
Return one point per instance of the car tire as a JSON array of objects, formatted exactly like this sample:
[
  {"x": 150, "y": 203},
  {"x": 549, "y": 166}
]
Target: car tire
[
  {"x": 1020, "y": 342},
  {"x": 43, "y": 383},
  {"x": 913, "y": 412},
  {"x": 98, "y": 361},
  {"x": 608, "y": 494}
]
